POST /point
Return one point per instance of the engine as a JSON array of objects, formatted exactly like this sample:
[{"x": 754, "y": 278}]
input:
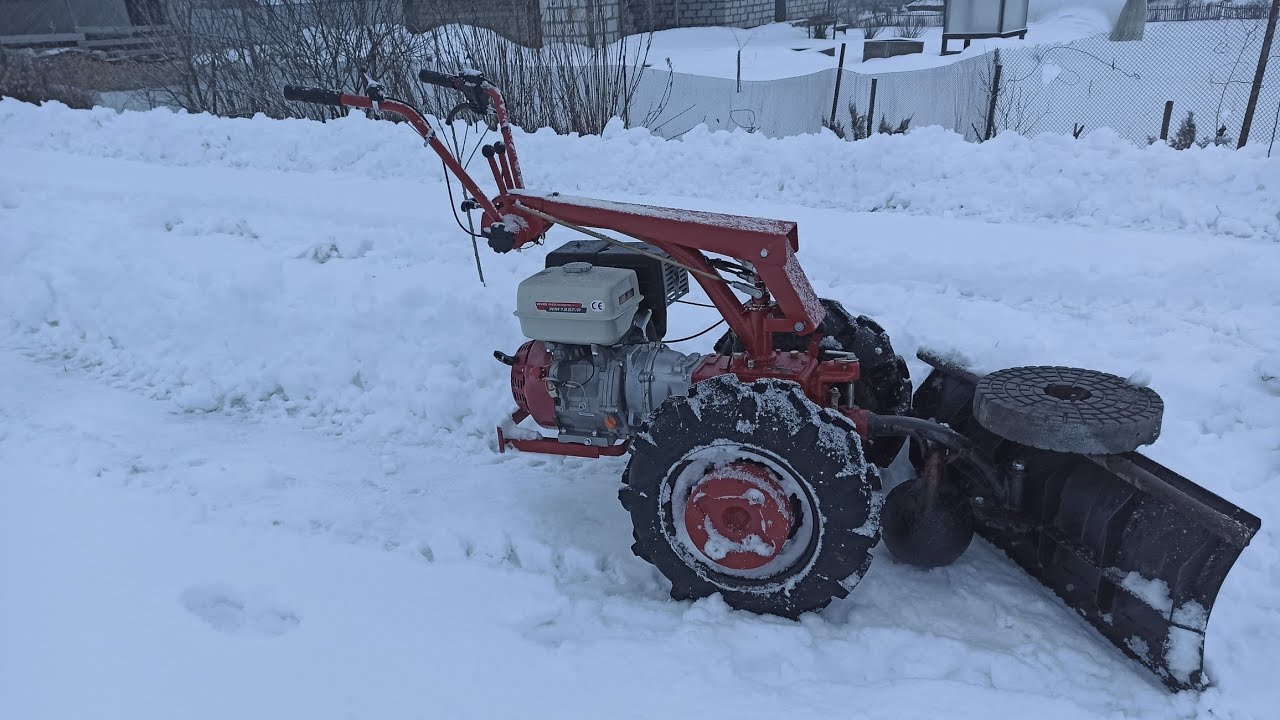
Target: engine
[{"x": 595, "y": 365}]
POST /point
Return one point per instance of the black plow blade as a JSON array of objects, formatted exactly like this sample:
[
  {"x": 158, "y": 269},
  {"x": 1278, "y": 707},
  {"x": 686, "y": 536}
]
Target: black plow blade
[{"x": 1137, "y": 549}]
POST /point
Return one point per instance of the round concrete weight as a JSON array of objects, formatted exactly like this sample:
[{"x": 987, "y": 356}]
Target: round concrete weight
[{"x": 1068, "y": 410}]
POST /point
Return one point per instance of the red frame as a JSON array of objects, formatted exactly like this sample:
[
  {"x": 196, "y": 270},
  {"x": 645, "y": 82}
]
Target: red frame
[{"x": 787, "y": 301}]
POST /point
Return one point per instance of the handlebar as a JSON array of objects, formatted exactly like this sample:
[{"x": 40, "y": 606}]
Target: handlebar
[
  {"x": 481, "y": 97},
  {"x": 319, "y": 96},
  {"x": 431, "y": 77},
  {"x": 470, "y": 83}
]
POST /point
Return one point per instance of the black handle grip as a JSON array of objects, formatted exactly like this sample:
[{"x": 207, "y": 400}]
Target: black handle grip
[
  {"x": 431, "y": 77},
  {"x": 318, "y": 96}
]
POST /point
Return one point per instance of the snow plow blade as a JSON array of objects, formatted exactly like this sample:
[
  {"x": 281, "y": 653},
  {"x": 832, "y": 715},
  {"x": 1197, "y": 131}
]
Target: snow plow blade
[{"x": 1137, "y": 549}]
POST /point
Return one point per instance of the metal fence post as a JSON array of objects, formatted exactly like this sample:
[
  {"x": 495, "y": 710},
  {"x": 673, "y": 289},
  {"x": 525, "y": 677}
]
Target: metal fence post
[
  {"x": 835, "y": 100},
  {"x": 991, "y": 109},
  {"x": 871, "y": 107},
  {"x": 1263, "y": 58},
  {"x": 1274, "y": 124},
  {"x": 1164, "y": 124}
]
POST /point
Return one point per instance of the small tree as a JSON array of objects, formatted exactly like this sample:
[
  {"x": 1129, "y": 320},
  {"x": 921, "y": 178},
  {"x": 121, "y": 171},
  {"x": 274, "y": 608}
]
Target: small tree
[
  {"x": 1185, "y": 136},
  {"x": 857, "y": 123},
  {"x": 24, "y": 77},
  {"x": 884, "y": 128},
  {"x": 1220, "y": 138},
  {"x": 836, "y": 127},
  {"x": 912, "y": 26}
]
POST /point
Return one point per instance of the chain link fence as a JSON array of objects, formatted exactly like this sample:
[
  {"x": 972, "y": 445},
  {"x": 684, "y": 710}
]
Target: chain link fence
[
  {"x": 1187, "y": 80},
  {"x": 1194, "y": 76}
]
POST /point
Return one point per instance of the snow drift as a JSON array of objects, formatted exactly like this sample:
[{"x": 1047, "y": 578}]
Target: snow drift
[{"x": 1097, "y": 180}]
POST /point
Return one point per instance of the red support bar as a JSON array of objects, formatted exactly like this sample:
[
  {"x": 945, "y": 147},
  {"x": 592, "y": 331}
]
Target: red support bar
[
  {"x": 768, "y": 245},
  {"x": 503, "y": 185},
  {"x": 500, "y": 109},
  {"x": 506, "y": 170},
  {"x": 551, "y": 446}
]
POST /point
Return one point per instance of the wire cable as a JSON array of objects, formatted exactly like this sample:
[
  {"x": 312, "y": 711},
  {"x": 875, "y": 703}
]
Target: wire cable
[
  {"x": 448, "y": 184},
  {"x": 704, "y": 332}
]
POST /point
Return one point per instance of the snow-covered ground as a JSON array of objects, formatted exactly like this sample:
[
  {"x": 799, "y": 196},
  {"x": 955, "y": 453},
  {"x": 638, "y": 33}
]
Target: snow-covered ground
[
  {"x": 248, "y": 401},
  {"x": 1065, "y": 75},
  {"x": 780, "y": 50}
]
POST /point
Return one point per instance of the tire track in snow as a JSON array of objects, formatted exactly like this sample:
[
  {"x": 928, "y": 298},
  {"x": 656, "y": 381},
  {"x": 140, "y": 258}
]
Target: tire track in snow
[{"x": 979, "y": 623}]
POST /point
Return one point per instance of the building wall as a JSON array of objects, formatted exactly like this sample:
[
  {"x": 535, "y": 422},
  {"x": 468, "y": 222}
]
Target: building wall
[
  {"x": 739, "y": 13},
  {"x": 593, "y": 22},
  {"x": 749, "y": 13},
  {"x": 516, "y": 20},
  {"x": 47, "y": 17},
  {"x": 589, "y": 22}
]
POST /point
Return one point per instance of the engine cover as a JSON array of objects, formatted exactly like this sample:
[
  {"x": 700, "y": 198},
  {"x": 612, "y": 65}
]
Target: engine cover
[{"x": 578, "y": 304}]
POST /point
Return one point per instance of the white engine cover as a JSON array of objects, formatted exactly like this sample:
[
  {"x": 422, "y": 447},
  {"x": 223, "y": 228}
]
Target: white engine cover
[{"x": 578, "y": 304}]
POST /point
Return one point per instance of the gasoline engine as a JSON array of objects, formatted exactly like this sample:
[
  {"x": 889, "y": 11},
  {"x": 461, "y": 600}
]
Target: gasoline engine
[{"x": 595, "y": 366}]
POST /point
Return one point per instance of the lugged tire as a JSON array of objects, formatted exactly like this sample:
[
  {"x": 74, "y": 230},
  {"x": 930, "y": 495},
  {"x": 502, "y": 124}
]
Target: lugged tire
[
  {"x": 885, "y": 385},
  {"x": 818, "y": 447}
]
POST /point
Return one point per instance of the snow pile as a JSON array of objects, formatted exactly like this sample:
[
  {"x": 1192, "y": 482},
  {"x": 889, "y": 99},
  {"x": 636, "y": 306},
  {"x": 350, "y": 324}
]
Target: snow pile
[
  {"x": 781, "y": 50},
  {"x": 1097, "y": 180},
  {"x": 1100, "y": 13}
]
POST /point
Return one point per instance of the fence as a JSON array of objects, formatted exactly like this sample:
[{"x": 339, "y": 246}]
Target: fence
[
  {"x": 1205, "y": 68},
  {"x": 1222, "y": 11}
]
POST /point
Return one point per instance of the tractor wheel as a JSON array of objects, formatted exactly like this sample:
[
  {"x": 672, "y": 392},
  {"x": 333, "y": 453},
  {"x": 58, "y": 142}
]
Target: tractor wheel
[
  {"x": 754, "y": 492},
  {"x": 885, "y": 386}
]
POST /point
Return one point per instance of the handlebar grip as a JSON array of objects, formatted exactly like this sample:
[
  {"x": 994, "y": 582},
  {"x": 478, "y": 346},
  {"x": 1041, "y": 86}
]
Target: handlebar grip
[
  {"x": 318, "y": 96},
  {"x": 431, "y": 77}
]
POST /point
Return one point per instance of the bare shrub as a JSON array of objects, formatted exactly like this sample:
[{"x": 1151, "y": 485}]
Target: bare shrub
[
  {"x": 564, "y": 86},
  {"x": 869, "y": 16},
  {"x": 884, "y": 128},
  {"x": 912, "y": 26},
  {"x": 234, "y": 58},
  {"x": 23, "y": 76},
  {"x": 1015, "y": 107}
]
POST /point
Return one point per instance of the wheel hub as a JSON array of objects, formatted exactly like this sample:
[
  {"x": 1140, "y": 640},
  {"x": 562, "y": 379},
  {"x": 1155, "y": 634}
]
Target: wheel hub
[{"x": 738, "y": 515}]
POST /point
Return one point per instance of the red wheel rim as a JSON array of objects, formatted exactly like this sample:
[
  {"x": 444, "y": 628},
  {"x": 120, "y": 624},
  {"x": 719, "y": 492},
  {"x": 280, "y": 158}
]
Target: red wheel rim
[{"x": 738, "y": 516}]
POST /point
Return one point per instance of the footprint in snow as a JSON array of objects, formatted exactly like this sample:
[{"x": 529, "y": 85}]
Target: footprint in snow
[{"x": 234, "y": 612}]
